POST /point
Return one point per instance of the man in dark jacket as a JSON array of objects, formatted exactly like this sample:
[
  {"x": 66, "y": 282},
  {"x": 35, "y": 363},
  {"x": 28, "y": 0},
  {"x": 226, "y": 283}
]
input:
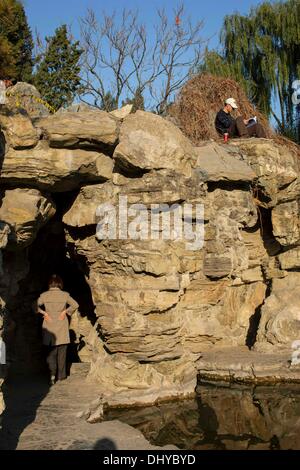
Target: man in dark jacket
[{"x": 238, "y": 127}]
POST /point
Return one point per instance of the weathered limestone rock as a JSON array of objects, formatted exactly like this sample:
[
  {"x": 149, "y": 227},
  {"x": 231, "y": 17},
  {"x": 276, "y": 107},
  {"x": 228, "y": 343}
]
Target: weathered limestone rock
[
  {"x": 25, "y": 211},
  {"x": 241, "y": 365},
  {"x": 124, "y": 381},
  {"x": 156, "y": 300},
  {"x": 82, "y": 328},
  {"x": 55, "y": 169},
  {"x": 277, "y": 169},
  {"x": 156, "y": 303},
  {"x": 150, "y": 142},
  {"x": 277, "y": 185},
  {"x": 123, "y": 112},
  {"x": 4, "y": 232},
  {"x": 218, "y": 314},
  {"x": 135, "y": 306},
  {"x": 216, "y": 164},
  {"x": 27, "y": 97},
  {"x": 148, "y": 301},
  {"x": 257, "y": 255},
  {"x": 224, "y": 250},
  {"x": 290, "y": 259},
  {"x": 2, "y": 405},
  {"x": 95, "y": 129},
  {"x": 76, "y": 108},
  {"x": 286, "y": 223},
  {"x": 165, "y": 187},
  {"x": 280, "y": 320},
  {"x": 18, "y": 129}
]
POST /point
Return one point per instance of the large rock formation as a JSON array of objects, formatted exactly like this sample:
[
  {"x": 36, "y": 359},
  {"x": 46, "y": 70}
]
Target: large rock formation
[
  {"x": 279, "y": 325},
  {"x": 94, "y": 129},
  {"x": 24, "y": 211},
  {"x": 54, "y": 169},
  {"x": 25, "y": 96},
  {"x": 115, "y": 205}
]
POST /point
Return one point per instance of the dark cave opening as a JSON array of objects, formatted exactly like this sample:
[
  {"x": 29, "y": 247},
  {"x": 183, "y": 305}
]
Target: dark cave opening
[
  {"x": 272, "y": 247},
  {"x": 49, "y": 254}
]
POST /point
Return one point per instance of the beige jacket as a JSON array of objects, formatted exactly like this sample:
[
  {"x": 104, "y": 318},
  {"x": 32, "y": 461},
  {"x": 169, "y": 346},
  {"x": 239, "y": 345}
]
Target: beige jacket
[{"x": 54, "y": 301}]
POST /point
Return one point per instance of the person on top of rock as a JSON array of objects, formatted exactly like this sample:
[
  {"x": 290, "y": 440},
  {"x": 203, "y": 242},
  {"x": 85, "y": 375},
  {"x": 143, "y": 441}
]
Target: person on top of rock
[
  {"x": 239, "y": 127},
  {"x": 57, "y": 305}
]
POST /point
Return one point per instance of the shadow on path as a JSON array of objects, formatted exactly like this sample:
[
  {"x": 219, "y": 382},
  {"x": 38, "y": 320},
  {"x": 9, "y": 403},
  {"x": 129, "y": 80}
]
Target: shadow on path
[
  {"x": 105, "y": 444},
  {"x": 23, "y": 396}
]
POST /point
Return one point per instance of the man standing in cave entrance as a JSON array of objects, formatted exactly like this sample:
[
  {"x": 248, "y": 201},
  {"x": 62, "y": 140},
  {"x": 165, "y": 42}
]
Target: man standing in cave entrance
[{"x": 57, "y": 305}]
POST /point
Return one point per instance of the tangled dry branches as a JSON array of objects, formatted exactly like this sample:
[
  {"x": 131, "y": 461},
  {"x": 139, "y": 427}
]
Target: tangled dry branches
[{"x": 202, "y": 97}]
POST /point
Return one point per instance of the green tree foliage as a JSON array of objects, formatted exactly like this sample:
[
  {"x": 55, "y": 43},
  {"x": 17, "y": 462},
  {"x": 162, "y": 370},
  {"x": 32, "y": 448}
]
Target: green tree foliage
[
  {"x": 57, "y": 76},
  {"x": 7, "y": 62},
  {"x": 15, "y": 41},
  {"x": 262, "y": 51},
  {"x": 215, "y": 64},
  {"x": 137, "y": 101}
]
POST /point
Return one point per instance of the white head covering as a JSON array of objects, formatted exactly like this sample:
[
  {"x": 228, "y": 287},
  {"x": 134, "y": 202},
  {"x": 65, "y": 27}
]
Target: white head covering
[{"x": 232, "y": 103}]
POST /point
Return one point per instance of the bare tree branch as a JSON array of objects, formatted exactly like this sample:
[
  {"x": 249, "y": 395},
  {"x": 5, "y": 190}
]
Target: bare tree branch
[{"x": 119, "y": 57}]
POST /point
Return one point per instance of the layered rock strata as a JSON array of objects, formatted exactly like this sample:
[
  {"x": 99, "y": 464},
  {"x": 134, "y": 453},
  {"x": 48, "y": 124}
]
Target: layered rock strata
[{"x": 181, "y": 249}]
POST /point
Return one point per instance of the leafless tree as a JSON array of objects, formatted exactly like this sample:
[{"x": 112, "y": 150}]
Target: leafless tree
[
  {"x": 39, "y": 46},
  {"x": 120, "y": 57}
]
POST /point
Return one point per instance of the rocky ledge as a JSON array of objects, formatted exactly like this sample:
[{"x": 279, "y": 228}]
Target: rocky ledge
[{"x": 239, "y": 365}]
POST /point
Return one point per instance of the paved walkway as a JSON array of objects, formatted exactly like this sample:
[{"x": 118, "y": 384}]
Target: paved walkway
[{"x": 39, "y": 417}]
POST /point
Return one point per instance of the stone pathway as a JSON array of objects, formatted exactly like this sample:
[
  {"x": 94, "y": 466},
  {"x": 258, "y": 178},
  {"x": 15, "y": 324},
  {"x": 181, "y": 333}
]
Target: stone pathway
[
  {"x": 39, "y": 417},
  {"x": 239, "y": 364}
]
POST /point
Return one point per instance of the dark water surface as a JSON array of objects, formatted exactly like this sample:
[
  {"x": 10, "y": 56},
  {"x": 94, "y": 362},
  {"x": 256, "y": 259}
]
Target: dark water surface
[{"x": 234, "y": 417}]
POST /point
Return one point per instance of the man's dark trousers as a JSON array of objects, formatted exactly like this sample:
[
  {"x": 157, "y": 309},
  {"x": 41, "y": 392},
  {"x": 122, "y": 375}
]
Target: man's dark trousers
[{"x": 239, "y": 129}]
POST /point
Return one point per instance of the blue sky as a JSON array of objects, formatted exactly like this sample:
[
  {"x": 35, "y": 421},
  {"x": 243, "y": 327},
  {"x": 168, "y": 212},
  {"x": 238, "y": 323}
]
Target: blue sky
[{"x": 46, "y": 16}]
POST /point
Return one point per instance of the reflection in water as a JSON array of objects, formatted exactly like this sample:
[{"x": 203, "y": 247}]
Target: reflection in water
[{"x": 223, "y": 418}]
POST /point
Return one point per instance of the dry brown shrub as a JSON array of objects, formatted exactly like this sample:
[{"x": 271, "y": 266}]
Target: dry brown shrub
[{"x": 200, "y": 100}]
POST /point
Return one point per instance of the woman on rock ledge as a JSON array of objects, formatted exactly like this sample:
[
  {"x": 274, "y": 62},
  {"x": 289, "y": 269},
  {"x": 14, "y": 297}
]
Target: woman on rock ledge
[{"x": 57, "y": 305}]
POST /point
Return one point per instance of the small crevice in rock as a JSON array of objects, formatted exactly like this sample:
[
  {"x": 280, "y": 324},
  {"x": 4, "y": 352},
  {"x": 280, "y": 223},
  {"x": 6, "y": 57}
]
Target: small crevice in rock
[
  {"x": 227, "y": 185},
  {"x": 129, "y": 171},
  {"x": 89, "y": 145},
  {"x": 80, "y": 233},
  {"x": 255, "y": 320},
  {"x": 271, "y": 245}
]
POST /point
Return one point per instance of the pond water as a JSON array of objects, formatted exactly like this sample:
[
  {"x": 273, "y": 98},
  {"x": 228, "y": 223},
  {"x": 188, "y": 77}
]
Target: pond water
[{"x": 222, "y": 417}]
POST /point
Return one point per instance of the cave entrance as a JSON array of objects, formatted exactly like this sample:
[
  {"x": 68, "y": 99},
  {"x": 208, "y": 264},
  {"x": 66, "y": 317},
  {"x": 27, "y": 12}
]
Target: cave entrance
[
  {"x": 49, "y": 255},
  {"x": 272, "y": 247}
]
